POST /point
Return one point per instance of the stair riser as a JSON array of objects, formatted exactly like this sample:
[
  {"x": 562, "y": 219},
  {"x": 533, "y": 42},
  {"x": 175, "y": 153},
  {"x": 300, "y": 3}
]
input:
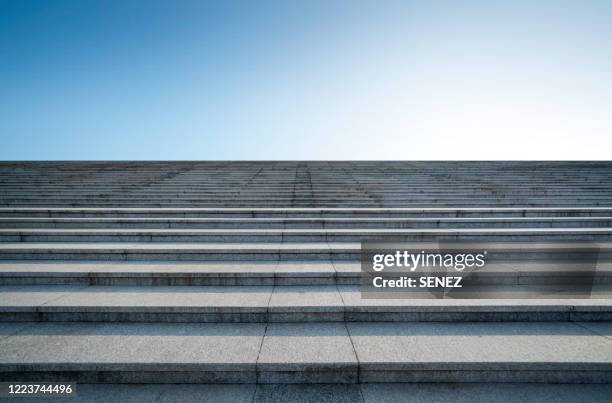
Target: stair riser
[
  {"x": 179, "y": 316},
  {"x": 329, "y": 237},
  {"x": 266, "y": 203},
  {"x": 183, "y": 281},
  {"x": 238, "y": 280},
  {"x": 130, "y": 376},
  {"x": 537, "y": 376},
  {"x": 349, "y": 255},
  {"x": 327, "y": 225},
  {"x": 380, "y": 214},
  {"x": 347, "y": 376}
]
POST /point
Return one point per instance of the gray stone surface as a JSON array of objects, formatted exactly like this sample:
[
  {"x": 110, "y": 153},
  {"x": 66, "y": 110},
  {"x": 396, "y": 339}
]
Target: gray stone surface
[
  {"x": 601, "y": 328},
  {"x": 301, "y": 235},
  {"x": 352, "y": 297},
  {"x": 130, "y": 246},
  {"x": 305, "y": 268},
  {"x": 273, "y": 304},
  {"x": 103, "y": 393},
  {"x": 323, "y": 393},
  {"x": 139, "y": 273},
  {"x": 179, "y": 219},
  {"x": 307, "y": 298},
  {"x": 10, "y": 329},
  {"x": 33, "y": 296},
  {"x": 301, "y": 393},
  {"x": 290, "y": 184},
  {"x": 425, "y": 345},
  {"x": 132, "y": 347},
  {"x": 484, "y": 393},
  {"x": 305, "y": 304},
  {"x": 502, "y": 352},
  {"x": 214, "y": 297},
  {"x": 313, "y": 352},
  {"x": 347, "y": 268}
]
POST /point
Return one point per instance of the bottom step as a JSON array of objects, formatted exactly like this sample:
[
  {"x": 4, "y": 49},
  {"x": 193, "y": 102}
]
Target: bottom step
[
  {"x": 307, "y": 352},
  {"x": 364, "y": 393}
]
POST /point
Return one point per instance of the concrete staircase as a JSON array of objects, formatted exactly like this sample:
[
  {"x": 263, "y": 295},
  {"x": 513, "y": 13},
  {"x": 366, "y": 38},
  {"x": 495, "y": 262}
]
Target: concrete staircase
[{"x": 248, "y": 272}]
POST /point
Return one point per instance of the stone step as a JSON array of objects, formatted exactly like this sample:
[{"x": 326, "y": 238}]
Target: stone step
[
  {"x": 303, "y": 235},
  {"x": 362, "y": 352},
  {"x": 182, "y": 273},
  {"x": 267, "y": 273},
  {"x": 277, "y": 251},
  {"x": 528, "y": 199},
  {"x": 153, "y": 202},
  {"x": 330, "y": 178},
  {"x": 305, "y": 194},
  {"x": 388, "y": 189},
  {"x": 381, "y": 213},
  {"x": 312, "y": 202},
  {"x": 289, "y": 190},
  {"x": 346, "y": 393},
  {"x": 303, "y": 223},
  {"x": 263, "y": 304}
]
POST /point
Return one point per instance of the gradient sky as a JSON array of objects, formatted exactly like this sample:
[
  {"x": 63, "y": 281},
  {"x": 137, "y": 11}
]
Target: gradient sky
[{"x": 305, "y": 79}]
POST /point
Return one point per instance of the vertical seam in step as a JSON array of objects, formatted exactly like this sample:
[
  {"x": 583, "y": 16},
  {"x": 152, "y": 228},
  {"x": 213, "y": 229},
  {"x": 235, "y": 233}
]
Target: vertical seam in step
[
  {"x": 354, "y": 352},
  {"x": 349, "y": 336},
  {"x": 278, "y": 258},
  {"x": 331, "y": 260},
  {"x": 346, "y": 324},
  {"x": 343, "y": 303},
  {"x": 262, "y": 339},
  {"x": 266, "y": 325},
  {"x": 361, "y": 392}
]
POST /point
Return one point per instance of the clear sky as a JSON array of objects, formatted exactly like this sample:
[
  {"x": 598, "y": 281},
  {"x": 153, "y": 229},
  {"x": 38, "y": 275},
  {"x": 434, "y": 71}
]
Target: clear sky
[{"x": 307, "y": 79}]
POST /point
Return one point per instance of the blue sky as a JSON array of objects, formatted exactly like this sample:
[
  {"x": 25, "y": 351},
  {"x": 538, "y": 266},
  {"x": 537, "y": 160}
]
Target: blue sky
[{"x": 310, "y": 79}]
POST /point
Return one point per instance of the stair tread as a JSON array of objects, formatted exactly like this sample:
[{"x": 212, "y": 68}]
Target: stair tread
[
  {"x": 277, "y": 298},
  {"x": 523, "y": 268},
  {"x": 295, "y": 347}
]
